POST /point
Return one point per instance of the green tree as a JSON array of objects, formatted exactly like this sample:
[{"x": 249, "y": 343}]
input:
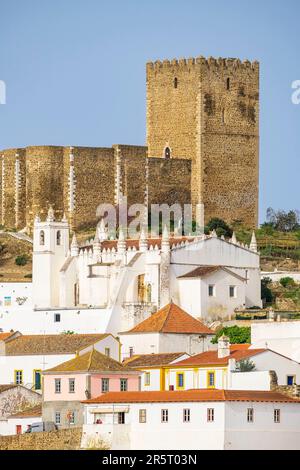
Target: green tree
[
  {"x": 236, "y": 334},
  {"x": 220, "y": 227},
  {"x": 287, "y": 282},
  {"x": 266, "y": 293}
]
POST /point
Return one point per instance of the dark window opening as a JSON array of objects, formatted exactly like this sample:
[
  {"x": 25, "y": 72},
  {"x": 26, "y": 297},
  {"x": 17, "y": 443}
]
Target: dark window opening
[
  {"x": 228, "y": 84},
  {"x": 175, "y": 82},
  {"x": 58, "y": 237},
  {"x": 167, "y": 152}
]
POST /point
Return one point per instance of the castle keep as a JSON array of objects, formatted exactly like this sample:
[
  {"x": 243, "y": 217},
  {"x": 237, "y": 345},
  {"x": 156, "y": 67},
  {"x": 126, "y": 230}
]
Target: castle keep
[{"x": 202, "y": 147}]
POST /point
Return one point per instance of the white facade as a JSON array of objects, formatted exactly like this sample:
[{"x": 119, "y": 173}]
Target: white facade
[
  {"x": 282, "y": 337},
  {"x": 230, "y": 429},
  {"x": 194, "y": 295},
  {"x": 156, "y": 343},
  {"x": 111, "y": 285},
  {"x": 9, "y": 426}
]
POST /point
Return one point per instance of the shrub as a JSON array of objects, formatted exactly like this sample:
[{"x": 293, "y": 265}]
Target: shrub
[
  {"x": 21, "y": 260},
  {"x": 246, "y": 365},
  {"x": 287, "y": 282},
  {"x": 236, "y": 334}
]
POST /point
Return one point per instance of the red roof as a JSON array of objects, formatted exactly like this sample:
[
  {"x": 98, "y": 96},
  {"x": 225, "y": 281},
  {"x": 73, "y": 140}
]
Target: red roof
[
  {"x": 4, "y": 336},
  {"x": 171, "y": 319},
  {"x": 239, "y": 347},
  {"x": 211, "y": 357},
  {"x": 192, "y": 396}
]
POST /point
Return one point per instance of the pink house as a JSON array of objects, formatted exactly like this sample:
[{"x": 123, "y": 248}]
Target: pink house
[{"x": 86, "y": 376}]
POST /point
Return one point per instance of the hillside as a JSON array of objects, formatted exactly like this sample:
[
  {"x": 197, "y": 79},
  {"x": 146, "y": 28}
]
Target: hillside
[{"x": 10, "y": 249}]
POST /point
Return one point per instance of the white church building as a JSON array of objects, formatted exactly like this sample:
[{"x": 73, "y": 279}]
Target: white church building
[{"x": 112, "y": 285}]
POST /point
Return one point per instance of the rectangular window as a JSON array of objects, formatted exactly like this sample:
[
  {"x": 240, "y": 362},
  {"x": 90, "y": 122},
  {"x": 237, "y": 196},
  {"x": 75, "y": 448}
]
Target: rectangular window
[
  {"x": 57, "y": 417},
  {"x": 121, "y": 417},
  {"x": 147, "y": 379},
  {"x": 232, "y": 292},
  {"x": 180, "y": 380},
  {"x": 211, "y": 291},
  {"x": 186, "y": 416},
  {"x": 104, "y": 385},
  {"x": 276, "y": 416},
  {"x": 211, "y": 380},
  {"x": 71, "y": 385},
  {"x": 107, "y": 352},
  {"x": 142, "y": 416},
  {"x": 291, "y": 380},
  {"x": 250, "y": 415},
  {"x": 37, "y": 379},
  {"x": 123, "y": 385},
  {"x": 18, "y": 377},
  {"x": 56, "y": 317},
  {"x": 164, "y": 416},
  {"x": 57, "y": 385},
  {"x": 130, "y": 351},
  {"x": 71, "y": 417},
  {"x": 210, "y": 415}
]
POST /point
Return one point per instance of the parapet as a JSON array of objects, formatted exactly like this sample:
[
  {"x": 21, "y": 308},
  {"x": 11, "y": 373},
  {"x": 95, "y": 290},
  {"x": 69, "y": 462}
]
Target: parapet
[{"x": 225, "y": 63}]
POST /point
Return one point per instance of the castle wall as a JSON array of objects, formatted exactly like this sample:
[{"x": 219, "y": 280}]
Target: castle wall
[
  {"x": 44, "y": 183},
  {"x": 169, "y": 181},
  {"x": 132, "y": 180},
  {"x": 93, "y": 183},
  {"x": 13, "y": 192}
]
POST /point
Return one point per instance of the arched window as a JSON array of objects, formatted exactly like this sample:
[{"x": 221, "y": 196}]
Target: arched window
[
  {"x": 175, "y": 82},
  {"x": 149, "y": 293},
  {"x": 42, "y": 238},
  {"x": 228, "y": 83},
  {"x": 58, "y": 237},
  {"x": 167, "y": 152}
]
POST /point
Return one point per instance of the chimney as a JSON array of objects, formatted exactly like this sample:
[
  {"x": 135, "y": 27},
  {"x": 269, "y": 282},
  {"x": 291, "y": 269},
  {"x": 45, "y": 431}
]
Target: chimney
[{"x": 223, "y": 347}]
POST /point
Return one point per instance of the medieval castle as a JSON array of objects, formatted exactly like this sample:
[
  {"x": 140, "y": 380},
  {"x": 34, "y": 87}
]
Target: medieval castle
[{"x": 202, "y": 147}]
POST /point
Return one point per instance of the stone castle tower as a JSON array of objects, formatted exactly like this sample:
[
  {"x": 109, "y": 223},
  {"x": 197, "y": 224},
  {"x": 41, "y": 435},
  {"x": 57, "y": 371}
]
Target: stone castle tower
[
  {"x": 202, "y": 138},
  {"x": 207, "y": 111}
]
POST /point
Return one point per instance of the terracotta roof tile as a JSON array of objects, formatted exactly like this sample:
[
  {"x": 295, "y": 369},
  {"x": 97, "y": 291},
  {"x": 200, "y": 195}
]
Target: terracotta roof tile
[
  {"x": 193, "y": 396},
  {"x": 211, "y": 357},
  {"x": 151, "y": 360},
  {"x": 92, "y": 361},
  {"x": 4, "y": 336},
  {"x": 171, "y": 319},
  {"x": 50, "y": 344},
  {"x": 203, "y": 271},
  {"x": 35, "y": 411},
  {"x": 239, "y": 347}
]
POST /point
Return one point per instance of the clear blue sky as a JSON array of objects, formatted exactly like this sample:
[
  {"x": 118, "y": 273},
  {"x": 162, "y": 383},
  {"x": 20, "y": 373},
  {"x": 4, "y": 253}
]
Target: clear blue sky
[{"x": 75, "y": 71}]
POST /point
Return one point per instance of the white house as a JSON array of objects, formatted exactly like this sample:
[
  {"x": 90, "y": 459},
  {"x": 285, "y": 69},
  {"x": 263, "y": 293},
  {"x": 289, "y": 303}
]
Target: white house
[
  {"x": 282, "y": 337},
  {"x": 23, "y": 357},
  {"x": 112, "y": 285},
  {"x": 193, "y": 420},
  {"x": 223, "y": 369},
  {"x": 169, "y": 330},
  {"x": 18, "y": 423}
]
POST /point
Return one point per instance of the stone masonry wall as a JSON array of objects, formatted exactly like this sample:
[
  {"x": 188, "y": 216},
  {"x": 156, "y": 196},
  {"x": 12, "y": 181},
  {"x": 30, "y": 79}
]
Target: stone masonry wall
[
  {"x": 94, "y": 183},
  {"x": 200, "y": 115},
  {"x": 66, "y": 439}
]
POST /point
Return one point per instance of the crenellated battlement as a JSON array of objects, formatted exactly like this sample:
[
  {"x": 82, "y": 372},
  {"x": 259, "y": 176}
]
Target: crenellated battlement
[{"x": 224, "y": 63}]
